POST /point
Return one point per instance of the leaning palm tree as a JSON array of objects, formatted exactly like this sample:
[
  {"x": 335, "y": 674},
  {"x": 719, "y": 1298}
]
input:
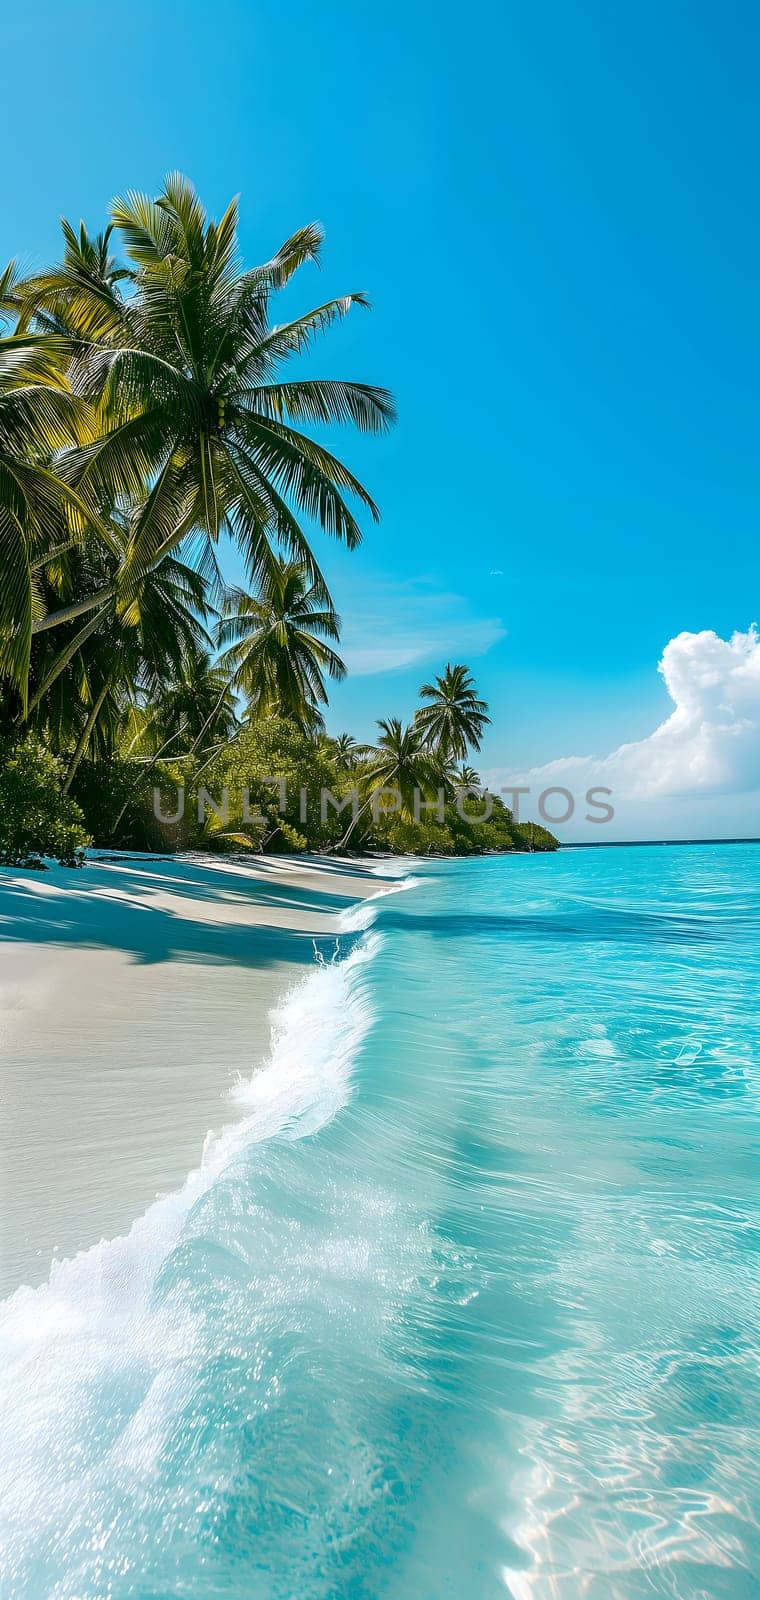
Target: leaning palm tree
[
  {"x": 402, "y": 761},
  {"x": 184, "y": 366},
  {"x": 455, "y": 717},
  {"x": 276, "y": 644}
]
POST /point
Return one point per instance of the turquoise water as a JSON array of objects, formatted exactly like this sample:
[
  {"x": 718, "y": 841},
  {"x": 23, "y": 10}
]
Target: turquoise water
[{"x": 467, "y": 1304}]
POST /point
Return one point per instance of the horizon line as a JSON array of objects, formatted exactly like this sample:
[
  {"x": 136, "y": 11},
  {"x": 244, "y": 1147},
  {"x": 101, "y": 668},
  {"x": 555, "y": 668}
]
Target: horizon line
[{"x": 610, "y": 844}]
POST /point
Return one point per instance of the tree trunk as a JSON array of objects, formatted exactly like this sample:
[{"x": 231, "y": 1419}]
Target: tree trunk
[
  {"x": 142, "y": 774},
  {"x": 341, "y": 845},
  {"x": 61, "y": 662},
  {"x": 86, "y": 735},
  {"x": 70, "y": 613},
  {"x": 225, "y": 688},
  {"x": 50, "y": 555}
]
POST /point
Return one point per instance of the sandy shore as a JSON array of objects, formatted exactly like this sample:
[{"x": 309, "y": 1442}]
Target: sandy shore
[{"x": 133, "y": 995}]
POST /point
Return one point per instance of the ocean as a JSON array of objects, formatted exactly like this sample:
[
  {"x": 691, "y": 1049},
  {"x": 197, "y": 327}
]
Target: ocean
[{"x": 465, "y": 1303}]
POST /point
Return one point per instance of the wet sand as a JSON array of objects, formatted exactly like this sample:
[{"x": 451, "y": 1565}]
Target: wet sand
[{"x": 133, "y": 995}]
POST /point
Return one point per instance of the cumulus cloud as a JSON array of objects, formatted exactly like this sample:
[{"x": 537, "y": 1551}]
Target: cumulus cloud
[
  {"x": 710, "y": 743},
  {"x": 708, "y": 746}
]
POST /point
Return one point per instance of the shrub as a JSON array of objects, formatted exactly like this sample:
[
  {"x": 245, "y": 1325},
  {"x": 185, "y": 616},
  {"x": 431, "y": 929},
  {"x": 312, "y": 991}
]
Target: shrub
[
  {"x": 477, "y": 837},
  {"x": 116, "y": 797},
  {"x": 533, "y": 837},
  {"x": 262, "y": 749},
  {"x": 36, "y": 818},
  {"x": 408, "y": 838}
]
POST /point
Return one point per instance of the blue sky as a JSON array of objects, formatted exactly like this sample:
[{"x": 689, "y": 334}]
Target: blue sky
[{"x": 554, "y": 210}]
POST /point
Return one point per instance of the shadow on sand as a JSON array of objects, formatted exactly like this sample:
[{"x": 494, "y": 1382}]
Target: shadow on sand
[{"x": 117, "y": 905}]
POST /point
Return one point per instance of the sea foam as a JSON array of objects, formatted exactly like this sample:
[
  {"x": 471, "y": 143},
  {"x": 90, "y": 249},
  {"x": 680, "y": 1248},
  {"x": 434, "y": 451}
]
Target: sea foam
[
  {"x": 110, "y": 1369},
  {"x": 96, "y": 1307}
]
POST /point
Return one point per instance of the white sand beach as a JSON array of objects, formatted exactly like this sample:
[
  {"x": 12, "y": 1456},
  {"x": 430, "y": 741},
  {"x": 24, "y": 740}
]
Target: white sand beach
[{"x": 133, "y": 994}]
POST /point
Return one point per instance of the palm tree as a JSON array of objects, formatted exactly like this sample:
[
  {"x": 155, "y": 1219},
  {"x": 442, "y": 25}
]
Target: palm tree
[
  {"x": 464, "y": 777},
  {"x": 198, "y": 700},
  {"x": 346, "y": 752},
  {"x": 185, "y": 372},
  {"x": 400, "y": 761},
  {"x": 80, "y": 298},
  {"x": 454, "y": 720},
  {"x": 39, "y": 514},
  {"x": 94, "y": 680},
  {"x": 277, "y": 651},
  {"x": 145, "y": 648}
]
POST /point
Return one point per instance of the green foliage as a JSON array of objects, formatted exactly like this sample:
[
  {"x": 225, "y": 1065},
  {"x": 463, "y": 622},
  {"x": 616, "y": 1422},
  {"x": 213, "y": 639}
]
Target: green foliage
[
  {"x": 36, "y": 818},
  {"x": 116, "y": 799},
  {"x": 39, "y": 416},
  {"x": 143, "y": 406},
  {"x": 289, "y": 839},
  {"x": 309, "y": 766},
  {"x": 534, "y": 837},
  {"x": 267, "y": 748},
  {"x": 145, "y": 410},
  {"x": 405, "y": 837},
  {"x": 461, "y": 833},
  {"x": 277, "y": 644},
  {"x": 452, "y": 718}
]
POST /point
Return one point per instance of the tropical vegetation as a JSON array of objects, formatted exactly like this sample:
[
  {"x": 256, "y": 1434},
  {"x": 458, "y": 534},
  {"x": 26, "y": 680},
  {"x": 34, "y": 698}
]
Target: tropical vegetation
[{"x": 157, "y": 427}]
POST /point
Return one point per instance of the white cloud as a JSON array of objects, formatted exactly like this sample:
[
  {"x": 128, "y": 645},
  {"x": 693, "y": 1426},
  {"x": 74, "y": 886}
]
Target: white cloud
[
  {"x": 709, "y": 746},
  {"x": 395, "y": 625}
]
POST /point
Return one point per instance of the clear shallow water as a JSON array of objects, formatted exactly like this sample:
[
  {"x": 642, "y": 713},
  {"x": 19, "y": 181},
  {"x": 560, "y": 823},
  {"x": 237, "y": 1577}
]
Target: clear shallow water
[{"x": 467, "y": 1305}]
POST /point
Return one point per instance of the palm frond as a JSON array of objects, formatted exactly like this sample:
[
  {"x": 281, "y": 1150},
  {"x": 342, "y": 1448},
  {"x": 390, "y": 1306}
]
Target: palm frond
[{"x": 325, "y": 400}]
